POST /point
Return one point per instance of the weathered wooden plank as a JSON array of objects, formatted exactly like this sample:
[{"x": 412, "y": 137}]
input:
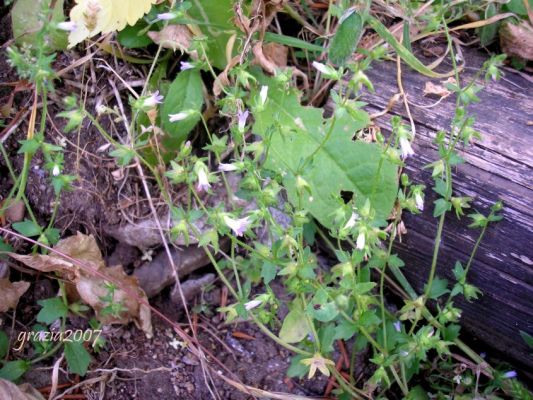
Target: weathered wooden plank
[{"x": 499, "y": 167}]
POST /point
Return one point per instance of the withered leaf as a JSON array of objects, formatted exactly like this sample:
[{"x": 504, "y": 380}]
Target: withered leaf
[
  {"x": 175, "y": 37},
  {"x": 10, "y": 293},
  {"x": 10, "y": 391},
  {"x": 87, "y": 283}
]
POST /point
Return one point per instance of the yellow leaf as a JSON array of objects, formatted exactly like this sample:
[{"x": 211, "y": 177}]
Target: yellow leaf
[{"x": 92, "y": 17}]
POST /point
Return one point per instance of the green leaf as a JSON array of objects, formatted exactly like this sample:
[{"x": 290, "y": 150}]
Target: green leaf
[
  {"x": 184, "y": 94},
  {"x": 27, "y": 228},
  {"x": 292, "y": 42},
  {"x": 4, "y": 344},
  {"x": 527, "y": 338},
  {"x": 29, "y": 146},
  {"x": 362, "y": 288},
  {"x": 417, "y": 393},
  {"x": 4, "y": 247},
  {"x": 51, "y": 310},
  {"x": 345, "y": 330},
  {"x": 296, "y": 132},
  {"x": 439, "y": 287},
  {"x": 26, "y": 21},
  {"x": 321, "y": 309},
  {"x": 130, "y": 38},
  {"x": 268, "y": 272},
  {"x": 487, "y": 33},
  {"x": 295, "y": 327},
  {"x": 217, "y": 17},
  {"x": 13, "y": 370},
  {"x": 441, "y": 206},
  {"x": 346, "y": 38},
  {"x": 404, "y": 54},
  {"x": 518, "y": 7},
  {"x": 327, "y": 337},
  {"x": 78, "y": 359}
]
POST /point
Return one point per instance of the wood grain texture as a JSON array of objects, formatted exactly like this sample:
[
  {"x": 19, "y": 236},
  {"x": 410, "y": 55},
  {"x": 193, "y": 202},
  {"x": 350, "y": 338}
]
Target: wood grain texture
[{"x": 498, "y": 167}]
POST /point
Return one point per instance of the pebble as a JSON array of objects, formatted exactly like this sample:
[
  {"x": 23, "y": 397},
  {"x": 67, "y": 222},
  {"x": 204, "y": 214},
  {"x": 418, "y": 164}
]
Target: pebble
[{"x": 190, "y": 360}]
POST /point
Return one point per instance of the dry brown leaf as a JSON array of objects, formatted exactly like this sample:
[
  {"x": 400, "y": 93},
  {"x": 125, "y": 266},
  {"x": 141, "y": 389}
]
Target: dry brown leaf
[
  {"x": 175, "y": 37},
  {"x": 277, "y": 53},
  {"x": 270, "y": 61},
  {"x": 10, "y": 391},
  {"x": 438, "y": 89},
  {"x": 10, "y": 293},
  {"x": 88, "y": 286},
  {"x": 517, "y": 40}
]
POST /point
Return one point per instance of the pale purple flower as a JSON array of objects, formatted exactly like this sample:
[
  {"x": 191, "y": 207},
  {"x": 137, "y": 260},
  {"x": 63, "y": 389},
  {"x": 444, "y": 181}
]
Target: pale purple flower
[
  {"x": 185, "y": 65},
  {"x": 68, "y": 26},
  {"x": 252, "y": 304},
  {"x": 203, "y": 180},
  {"x": 238, "y": 226},
  {"x": 180, "y": 116},
  {"x": 406, "y": 148},
  {"x": 242, "y": 117},
  {"x": 226, "y": 167},
  {"x": 263, "y": 95},
  {"x": 397, "y": 326},
  {"x": 56, "y": 171},
  {"x": 351, "y": 222},
  {"x": 326, "y": 70},
  {"x": 361, "y": 239},
  {"x": 321, "y": 67},
  {"x": 509, "y": 375},
  {"x": 152, "y": 100},
  {"x": 166, "y": 16},
  {"x": 419, "y": 200}
]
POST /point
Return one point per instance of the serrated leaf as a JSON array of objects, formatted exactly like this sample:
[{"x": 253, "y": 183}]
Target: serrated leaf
[
  {"x": 13, "y": 370},
  {"x": 321, "y": 309},
  {"x": 439, "y": 287},
  {"x": 184, "y": 94},
  {"x": 27, "y": 228},
  {"x": 295, "y": 132},
  {"x": 345, "y": 330},
  {"x": 51, "y": 310},
  {"x": 441, "y": 206},
  {"x": 268, "y": 272},
  {"x": 103, "y": 16},
  {"x": 346, "y": 38},
  {"x": 295, "y": 327},
  {"x": 78, "y": 359}
]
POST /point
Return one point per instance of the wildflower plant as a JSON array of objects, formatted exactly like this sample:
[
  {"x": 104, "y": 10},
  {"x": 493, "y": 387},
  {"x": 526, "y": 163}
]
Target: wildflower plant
[{"x": 274, "y": 181}]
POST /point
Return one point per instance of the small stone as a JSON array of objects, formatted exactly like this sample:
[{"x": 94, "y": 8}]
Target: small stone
[
  {"x": 189, "y": 360},
  {"x": 189, "y": 387}
]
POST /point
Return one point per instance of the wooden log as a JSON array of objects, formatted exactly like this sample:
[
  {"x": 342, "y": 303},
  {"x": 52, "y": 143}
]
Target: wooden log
[{"x": 498, "y": 167}]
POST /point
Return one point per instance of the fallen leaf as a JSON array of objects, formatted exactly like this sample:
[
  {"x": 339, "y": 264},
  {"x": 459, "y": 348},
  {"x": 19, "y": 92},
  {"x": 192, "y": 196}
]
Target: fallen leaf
[
  {"x": 10, "y": 391},
  {"x": 88, "y": 286},
  {"x": 175, "y": 37},
  {"x": 10, "y": 293},
  {"x": 270, "y": 57},
  {"x": 437, "y": 90}
]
